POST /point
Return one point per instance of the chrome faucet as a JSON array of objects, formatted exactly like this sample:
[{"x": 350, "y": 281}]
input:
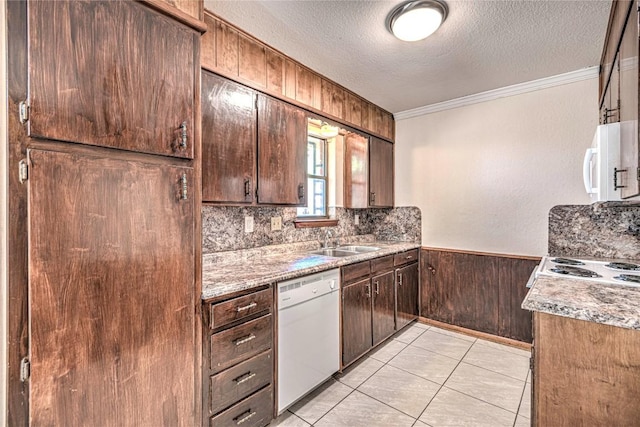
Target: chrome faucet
[{"x": 327, "y": 236}]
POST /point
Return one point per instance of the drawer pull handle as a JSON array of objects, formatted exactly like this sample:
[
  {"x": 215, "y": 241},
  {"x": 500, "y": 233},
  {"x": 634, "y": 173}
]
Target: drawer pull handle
[
  {"x": 244, "y": 377},
  {"x": 244, "y": 340},
  {"x": 246, "y": 307},
  {"x": 409, "y": 257},
  {"x": 240, "y": 418}
]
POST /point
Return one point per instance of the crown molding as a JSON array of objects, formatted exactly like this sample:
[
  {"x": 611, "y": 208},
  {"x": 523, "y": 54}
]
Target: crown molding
[{"x": 503, "y": 92}]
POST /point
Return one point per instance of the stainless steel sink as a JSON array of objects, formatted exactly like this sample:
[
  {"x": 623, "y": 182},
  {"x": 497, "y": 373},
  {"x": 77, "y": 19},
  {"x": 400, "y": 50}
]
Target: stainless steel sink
[
  {"x": 359, "y": 249},
  {"x": 336, "y": 253}
]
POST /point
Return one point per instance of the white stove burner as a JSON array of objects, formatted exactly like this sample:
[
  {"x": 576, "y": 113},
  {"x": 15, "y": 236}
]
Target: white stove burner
[{"x": 602, "y": 271}]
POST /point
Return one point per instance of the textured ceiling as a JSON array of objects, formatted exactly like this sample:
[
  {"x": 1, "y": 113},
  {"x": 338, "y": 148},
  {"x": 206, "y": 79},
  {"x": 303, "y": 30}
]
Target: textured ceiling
[{"x": 482, "y": 45}]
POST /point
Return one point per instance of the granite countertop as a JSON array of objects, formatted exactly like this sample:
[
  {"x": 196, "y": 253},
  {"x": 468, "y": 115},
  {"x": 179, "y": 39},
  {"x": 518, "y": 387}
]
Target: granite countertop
[
  {"x": 236, "y": 271},
  {"x": 615, "y": 305}
]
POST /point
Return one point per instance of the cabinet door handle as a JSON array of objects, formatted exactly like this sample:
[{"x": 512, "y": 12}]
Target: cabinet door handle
[
  {"x": 301, "y": 191},
  {"x": 431, "y": 269},
  {"x": 247, "y": 187},
  {"x": 183, "y": 186},
  {"x": 245, "y": 416},
  {"x": 246, "y": 307},
  {"x": 372, "y": 197},
  {"x": 399, "y": 279},
  {"x": 377, "y": 287},
  {"x": 244, "y": 377},
  {"x": 244, "y": 340},
  {"x": 183, "y": 135},
  {"x": 368, "y": 294}
]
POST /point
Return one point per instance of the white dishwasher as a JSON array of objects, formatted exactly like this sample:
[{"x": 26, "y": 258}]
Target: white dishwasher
[{"x": 308, "y": 334}]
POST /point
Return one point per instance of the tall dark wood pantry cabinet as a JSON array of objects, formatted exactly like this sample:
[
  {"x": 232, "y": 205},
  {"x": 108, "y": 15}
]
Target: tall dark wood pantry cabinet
[{"x": 104, "y": 288}]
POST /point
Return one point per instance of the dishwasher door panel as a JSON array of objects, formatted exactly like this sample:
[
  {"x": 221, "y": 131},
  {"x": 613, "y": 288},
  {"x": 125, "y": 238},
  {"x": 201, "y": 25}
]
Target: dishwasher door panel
[{"x": 308, "y": 346}]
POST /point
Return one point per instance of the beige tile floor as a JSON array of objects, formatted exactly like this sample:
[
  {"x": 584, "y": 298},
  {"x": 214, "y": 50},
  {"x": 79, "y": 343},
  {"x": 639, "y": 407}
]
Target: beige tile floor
[{"x": 423, "y": 376}]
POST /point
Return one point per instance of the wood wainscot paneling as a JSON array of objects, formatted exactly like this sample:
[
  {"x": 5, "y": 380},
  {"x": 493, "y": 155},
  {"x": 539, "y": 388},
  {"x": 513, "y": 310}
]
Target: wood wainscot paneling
[{"x": 477, "y": 291}]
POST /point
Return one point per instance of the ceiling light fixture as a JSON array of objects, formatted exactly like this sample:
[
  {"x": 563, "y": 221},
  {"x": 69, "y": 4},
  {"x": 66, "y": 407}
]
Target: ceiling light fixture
[
  {"x": 416, "y": 19},
  {"x": 327, "y": 131}
]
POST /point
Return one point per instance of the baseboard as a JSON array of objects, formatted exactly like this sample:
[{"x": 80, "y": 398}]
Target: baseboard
[{"x": 476, "y": 334}]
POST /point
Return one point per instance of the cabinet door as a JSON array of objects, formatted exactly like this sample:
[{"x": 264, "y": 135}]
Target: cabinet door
[
  {"x": 406, "y": 294},
  {"x": 228, "y": 140},
  {"x": 628, "y": 180},
  {"x": 356, "y": 320},
  {"x": 384, "y": 302},
  {"x": 356, "y": 176},
  {"x": 125, "y": 78},
  {"x": 282, "y": 153},
  {"x": 380, "y": 173},
  {"x": 111, "y": 292}
]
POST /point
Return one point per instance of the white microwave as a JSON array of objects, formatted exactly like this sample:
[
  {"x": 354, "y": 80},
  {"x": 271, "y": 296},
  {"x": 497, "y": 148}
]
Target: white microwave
[{"x": 600, "y": 162}]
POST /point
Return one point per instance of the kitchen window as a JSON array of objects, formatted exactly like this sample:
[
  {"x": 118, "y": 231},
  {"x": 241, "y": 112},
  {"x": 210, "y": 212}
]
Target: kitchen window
[{"x": 317, "y": 179}]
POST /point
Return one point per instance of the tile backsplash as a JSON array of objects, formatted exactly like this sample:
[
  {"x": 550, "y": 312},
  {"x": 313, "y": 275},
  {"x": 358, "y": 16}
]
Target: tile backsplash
[
  {"x": 223, "y": 226},
  {"x": 604, "y": 230}
]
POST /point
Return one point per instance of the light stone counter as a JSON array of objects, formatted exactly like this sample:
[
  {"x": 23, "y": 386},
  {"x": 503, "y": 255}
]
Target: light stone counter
[
  {"x": 233, "y": 271},
  {"x": 614, "y": 305}
]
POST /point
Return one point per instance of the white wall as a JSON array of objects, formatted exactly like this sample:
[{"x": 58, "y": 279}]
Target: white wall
[
  {"x": 486, "y": 175},
  {"x": 3, "y": 219}
]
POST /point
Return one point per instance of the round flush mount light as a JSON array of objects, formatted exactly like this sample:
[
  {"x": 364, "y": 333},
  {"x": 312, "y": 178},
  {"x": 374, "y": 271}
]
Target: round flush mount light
[{"x": 416, "y": 19}]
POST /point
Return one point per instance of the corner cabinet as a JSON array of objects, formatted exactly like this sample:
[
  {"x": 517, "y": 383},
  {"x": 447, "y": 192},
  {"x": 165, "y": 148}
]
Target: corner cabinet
[
  {"x": 112, "y": 74},
  {"x": 407, "y": 287},
  {"x": 368, "y": 172}
]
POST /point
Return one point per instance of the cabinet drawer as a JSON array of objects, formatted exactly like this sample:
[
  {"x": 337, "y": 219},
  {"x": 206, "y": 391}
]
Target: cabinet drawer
[
  {"x": 405, "y": 257},
  {"x": 240, "y": 342},
  {"x": 238, "y": 382},
  {"x": 382, "y": 263},
  {"x": 255, "y": 411},
  {"x": 240, "y": 308},
  {"x": 355, "y": 271}
]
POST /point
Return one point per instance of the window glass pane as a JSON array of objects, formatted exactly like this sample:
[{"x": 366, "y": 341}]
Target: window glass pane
[
  {"x": 315, "y": 157},
  {"x": 317, "y": 179}
]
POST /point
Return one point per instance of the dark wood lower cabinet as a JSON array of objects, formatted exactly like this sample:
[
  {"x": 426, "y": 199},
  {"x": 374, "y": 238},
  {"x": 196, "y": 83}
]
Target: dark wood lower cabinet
[
  {"x": 111, "y": 301},
  {"x": 356, "y": 320},
  {"x": 375, "y": 304},
  {"x": 406, "y": 294},
  {"x": 238, "y": 359},
  {"x": 584, "y": 373},
  {"x": 383, "y": 313},
  {"x": 478, "y": 291}
]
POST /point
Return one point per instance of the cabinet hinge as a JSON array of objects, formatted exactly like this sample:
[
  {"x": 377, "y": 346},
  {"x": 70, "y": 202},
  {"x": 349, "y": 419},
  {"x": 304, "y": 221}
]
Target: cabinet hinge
[
  {"x": 23, "y": 171},
  {"x": 639, "y": 174},
  {"x": 23, "y": 109},
  {"x": 25, "y": 369},
  {"x": 531, "y": 363},
  {"x": 255, "y": 102}
]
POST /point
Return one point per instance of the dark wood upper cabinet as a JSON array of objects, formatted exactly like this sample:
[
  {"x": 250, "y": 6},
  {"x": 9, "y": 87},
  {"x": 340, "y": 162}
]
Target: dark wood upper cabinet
[
  {"x": 282, "y": 153},
  {"x": 407, "y": 279},
  {"x": 232, "y": 53},
  {"x": 383, "y": 306},
  {"x": 356, "y": 171},
  {"x": 111, "y": 301},
  {"x": 380, "y": 173},
  {"x": 229, "y": 131},
  {"x": 126, "y": 78},
  {"x": 356, "y": 320}
]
